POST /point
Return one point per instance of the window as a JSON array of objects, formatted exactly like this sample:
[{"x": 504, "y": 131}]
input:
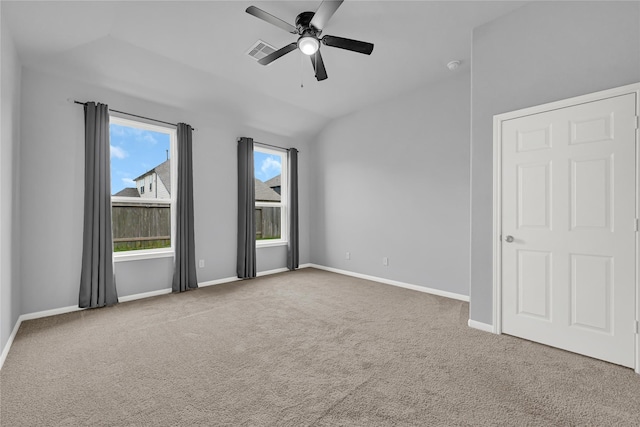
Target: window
[
  {"x": 142, "y": 221},
  {"x": 270, "y": 167}
]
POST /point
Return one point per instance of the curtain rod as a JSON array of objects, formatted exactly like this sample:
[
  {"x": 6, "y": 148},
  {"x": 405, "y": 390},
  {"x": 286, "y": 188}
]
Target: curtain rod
[
  {"x": 269, "y": 145},
  {"x": 135, "y": 115}
]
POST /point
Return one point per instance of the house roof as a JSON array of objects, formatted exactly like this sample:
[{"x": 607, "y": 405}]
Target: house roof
[
  {"x": 163, "y": 170},
  {"x": 264, "y": 193},
  {"x": 128, "y": 192},
  {"x": 273, "y": 182}
]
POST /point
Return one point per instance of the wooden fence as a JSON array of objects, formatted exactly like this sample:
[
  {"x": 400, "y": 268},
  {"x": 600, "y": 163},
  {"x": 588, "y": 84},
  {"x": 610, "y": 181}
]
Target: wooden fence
[
  {"x": 140, "y": 226},
  {"x": 148, "y": 226},
  {"x": 267, "y": 223}
]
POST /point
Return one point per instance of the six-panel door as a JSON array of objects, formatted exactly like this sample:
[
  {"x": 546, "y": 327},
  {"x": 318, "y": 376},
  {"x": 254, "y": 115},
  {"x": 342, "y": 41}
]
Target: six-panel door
[{"x": 568, "y": 202}]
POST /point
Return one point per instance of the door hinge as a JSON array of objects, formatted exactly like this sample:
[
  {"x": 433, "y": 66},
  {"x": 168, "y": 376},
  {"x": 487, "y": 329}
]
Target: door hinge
[
  {"x": 637, "y": 122},
  {"x": 637, "y": 225},
  {"x": 637, "y": 331}
]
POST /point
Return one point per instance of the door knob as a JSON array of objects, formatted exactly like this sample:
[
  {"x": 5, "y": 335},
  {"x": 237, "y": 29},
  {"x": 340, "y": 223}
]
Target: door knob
[{"x": 509, "y": 239}]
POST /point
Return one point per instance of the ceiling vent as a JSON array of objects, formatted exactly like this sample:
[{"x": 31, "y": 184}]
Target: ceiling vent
[{"x": 260, "y": 49}]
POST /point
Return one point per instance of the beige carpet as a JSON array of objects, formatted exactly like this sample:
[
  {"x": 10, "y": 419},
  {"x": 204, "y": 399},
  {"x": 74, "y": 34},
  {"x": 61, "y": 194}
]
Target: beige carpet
[{"x": 307, "y": 348}]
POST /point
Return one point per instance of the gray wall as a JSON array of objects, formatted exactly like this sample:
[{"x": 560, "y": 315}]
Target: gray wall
[
  {"x": 542, "y": 52},
  {"x": 392, "y": 180},
  {"x": 9, "y": 196},
  {"x": 53, "y": 159}
]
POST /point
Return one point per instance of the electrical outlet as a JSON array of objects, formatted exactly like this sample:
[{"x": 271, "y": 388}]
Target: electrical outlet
[
  {"x": 348, "y": 256},
  {"x": 385, "y": 261},
  {"x": 201, "y": 263}
]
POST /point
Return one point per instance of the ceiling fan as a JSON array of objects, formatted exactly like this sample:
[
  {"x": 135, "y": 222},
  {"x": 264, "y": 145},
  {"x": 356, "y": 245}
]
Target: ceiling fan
[{"x": 309, "y": 26}]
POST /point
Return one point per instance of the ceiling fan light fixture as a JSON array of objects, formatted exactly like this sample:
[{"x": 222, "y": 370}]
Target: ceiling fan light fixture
[{"x": 308, "y": 45}]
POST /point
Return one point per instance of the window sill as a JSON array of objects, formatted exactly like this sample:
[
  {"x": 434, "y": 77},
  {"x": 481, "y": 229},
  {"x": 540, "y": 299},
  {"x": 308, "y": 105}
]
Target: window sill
[
  {"x": 267, "y": 244},
  {"x": 136, "y": 256}
]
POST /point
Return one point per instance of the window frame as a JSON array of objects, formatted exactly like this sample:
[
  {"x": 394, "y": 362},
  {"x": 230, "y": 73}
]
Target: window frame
[
  {"x": 284, "y": 197},
  {"x": 140, "y": 254}
]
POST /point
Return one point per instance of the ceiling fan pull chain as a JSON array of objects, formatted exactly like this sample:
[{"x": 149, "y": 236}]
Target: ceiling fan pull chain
[{"x": 301, "y": 73}]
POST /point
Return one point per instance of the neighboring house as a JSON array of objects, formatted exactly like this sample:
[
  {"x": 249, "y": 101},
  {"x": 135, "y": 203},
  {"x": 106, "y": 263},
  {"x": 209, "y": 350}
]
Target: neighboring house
[
  {"x": 128, "y": 192},
  {"x": 274, "y": 183},
  {"x": 153, "y": 184},
  {"x": 264, "y": 193}
]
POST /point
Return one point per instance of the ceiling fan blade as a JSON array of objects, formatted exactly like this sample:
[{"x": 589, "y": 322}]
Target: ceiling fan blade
[
  {"x": 259, "y": 13},
  {"x": 348, "y": 44},
  {"x": 325, "y": 11},
  {"x": 318, "y": 66},
  {"x": 278, "y": 53}
]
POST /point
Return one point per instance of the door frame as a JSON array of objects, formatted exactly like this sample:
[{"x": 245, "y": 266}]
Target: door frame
[{"x": 497, "y": 193}]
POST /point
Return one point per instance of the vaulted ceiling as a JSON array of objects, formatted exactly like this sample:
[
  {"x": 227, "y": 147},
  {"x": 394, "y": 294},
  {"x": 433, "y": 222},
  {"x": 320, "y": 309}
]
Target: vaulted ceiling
[{"x": 193, "y": 54}]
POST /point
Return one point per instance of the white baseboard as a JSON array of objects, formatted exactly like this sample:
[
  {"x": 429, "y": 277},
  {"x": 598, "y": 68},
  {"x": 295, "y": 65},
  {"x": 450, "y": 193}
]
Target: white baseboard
[
  {"x": 277, "y": 270},
  {"x": 134, "y": 297},
  {"x": 424, "y": 289},
  {"x": 7, "y": 346},
  {"x": 217, "y": 282},
  {"x": 52, "y": 312},
  {"x": 235, "y": 279},
  {"x": 30, "y": 316},
  {"x": 62, "y": 310},
  {"x": 481, "y": 326}
]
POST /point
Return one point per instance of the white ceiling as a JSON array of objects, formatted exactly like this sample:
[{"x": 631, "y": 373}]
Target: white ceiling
[{"x": 193, "y": 54}]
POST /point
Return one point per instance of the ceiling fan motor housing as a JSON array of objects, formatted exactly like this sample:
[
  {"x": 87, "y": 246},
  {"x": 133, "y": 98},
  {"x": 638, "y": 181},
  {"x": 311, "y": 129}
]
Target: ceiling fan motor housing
[{"x": 302, "y": 25}]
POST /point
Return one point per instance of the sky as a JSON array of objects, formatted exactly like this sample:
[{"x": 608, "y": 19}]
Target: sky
[
  {"x": 266, "y": 166},
  {"x": 134, "y": 152}
]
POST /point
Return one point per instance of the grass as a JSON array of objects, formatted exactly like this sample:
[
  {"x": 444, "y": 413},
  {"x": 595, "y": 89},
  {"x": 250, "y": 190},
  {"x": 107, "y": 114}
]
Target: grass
[{"x": 136, "y": 246}]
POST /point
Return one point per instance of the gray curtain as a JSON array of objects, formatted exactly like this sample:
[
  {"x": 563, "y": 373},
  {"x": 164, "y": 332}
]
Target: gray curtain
[
  {"x": 292, "y": 248},
  {"x": 97, "y": 280},
  {"x": 184, "y": 273},
  {"x": 246, "y": 267}
]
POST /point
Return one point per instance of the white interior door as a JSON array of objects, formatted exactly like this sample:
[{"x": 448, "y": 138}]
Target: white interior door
[{"x": 568, "y": 228}]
